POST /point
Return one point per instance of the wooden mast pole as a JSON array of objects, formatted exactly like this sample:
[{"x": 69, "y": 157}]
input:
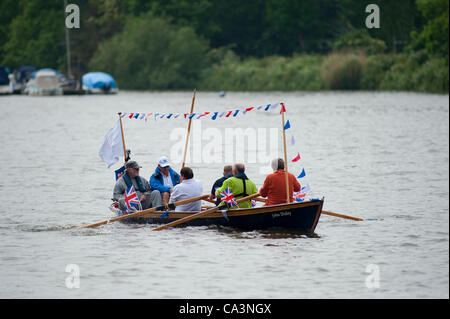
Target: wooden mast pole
[
  {"x": 188, "y": 130},
  {"x": 123, "y": 139},
  {"x": 288, "y": 198}
]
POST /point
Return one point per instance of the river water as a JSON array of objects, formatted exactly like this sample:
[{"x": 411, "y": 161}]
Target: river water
[{"x": 380, "y": 156}]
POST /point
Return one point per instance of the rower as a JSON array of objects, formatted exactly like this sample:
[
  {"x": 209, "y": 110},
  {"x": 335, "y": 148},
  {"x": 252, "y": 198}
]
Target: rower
[
  {"x": 274, "y": 187},
  {"x": 148, "y": 197},
  {"x": 240, "y": 185},
  {"x": 227, "y": 173},
  {"x": 164, "y": 179},
  {"x": 188, "y": 188}
]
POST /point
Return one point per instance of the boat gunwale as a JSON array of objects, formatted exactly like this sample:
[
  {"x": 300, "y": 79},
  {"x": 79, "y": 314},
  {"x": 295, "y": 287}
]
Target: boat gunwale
[{"x": 240, "y": 211}]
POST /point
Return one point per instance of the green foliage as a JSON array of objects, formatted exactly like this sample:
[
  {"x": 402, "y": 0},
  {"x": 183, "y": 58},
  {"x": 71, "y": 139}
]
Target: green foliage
[
  {"x": 417, "y": 72},
  {"x": 342, "y": 71},
  {"x": 374, "y": 70},
  {"x": 270, "y": 73},
  {"x": 150, "y": 53},
  {"x": 36, "y": 35},
  {"x": 359, "y": 40},
  {"x": 434, "y": 36}
]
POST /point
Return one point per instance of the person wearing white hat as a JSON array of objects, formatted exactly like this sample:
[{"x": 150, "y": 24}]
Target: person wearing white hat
[{"x": 164, "y": 179}]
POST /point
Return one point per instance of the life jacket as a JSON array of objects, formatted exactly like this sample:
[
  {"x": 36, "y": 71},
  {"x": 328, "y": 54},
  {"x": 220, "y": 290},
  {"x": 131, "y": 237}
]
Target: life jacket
[
  {"x": 242, "y": 177},
  {"x": 127, "y": 180}
]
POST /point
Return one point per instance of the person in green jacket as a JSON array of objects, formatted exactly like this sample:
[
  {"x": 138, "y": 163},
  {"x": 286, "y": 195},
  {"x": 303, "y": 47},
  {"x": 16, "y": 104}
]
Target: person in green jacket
[{"x": 239, "y": 185}]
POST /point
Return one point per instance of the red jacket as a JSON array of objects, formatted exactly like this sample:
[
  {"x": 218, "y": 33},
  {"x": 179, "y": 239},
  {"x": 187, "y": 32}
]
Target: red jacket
[{"x": 274, "y": 187}]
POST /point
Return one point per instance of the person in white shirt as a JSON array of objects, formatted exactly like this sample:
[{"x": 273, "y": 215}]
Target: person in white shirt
[{"x": 188, "y": 188}]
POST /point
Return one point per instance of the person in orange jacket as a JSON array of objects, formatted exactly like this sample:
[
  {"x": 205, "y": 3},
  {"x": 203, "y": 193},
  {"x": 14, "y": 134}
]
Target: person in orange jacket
[{"x": 274, "y": 187}]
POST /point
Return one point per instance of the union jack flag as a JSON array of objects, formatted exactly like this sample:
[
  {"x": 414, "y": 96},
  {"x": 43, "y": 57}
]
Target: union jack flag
[
  {"x": 300, "y": 196},
  {"x": 228, "y": 197},
  {"x": 131, "y": 198}
]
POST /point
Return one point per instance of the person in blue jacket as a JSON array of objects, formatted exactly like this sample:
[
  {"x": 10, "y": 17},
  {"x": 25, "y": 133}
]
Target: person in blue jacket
[{"x": 164, "y": 179}]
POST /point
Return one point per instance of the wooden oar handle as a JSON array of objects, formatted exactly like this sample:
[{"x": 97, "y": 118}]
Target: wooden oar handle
[
  {"x": 142, "y": 212},
  {"x": 342, "y": 216},
  {"x": 206, "y": 212}
]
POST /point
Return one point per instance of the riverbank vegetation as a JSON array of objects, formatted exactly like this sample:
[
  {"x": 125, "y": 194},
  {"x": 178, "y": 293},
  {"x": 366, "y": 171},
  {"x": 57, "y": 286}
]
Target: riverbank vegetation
[{"x": 236, "y": 45}]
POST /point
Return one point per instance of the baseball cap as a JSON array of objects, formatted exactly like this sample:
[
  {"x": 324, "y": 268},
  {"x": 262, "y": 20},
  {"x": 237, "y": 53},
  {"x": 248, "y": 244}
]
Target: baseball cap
[
  {"x": 132, "y": 164},
  {"x": 163, "y": 161}
]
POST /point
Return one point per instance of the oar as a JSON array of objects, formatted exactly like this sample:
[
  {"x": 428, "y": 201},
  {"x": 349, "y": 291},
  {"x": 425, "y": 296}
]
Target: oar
[
  {"x": 198, "y": 215},
  {"x": 342, "y": 216},
  {"x": 143, "y": 212},
  {"x": 260, "y": 199}
]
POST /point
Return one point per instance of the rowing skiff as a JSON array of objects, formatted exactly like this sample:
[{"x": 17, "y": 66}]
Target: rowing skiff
[{"x": 301, "y": 216}]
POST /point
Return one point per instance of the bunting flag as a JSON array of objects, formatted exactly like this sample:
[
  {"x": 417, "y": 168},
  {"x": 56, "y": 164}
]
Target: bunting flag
[
  {"x": 302, "y": 174},
  {"x": 287, "y": 125},
  {"x": 297, "y": 158},
  {"x": 283, "y": 109},
  {"x": 292, "y": 140},
  {"x": 215, "y": 115}
]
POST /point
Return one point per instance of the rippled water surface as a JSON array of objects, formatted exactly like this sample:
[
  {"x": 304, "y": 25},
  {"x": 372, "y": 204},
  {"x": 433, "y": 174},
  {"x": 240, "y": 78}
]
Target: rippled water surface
[{"x": 380, "y": 156}]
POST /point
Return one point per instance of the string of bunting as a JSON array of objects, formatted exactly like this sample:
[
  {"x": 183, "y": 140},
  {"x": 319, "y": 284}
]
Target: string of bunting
[{"x": 202, "y": 115}]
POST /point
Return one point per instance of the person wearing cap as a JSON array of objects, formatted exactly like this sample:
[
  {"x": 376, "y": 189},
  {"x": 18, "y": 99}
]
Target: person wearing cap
[
  {"x": 147, "y": 197},
  {"x": 274, "y": 187},
  {"x": 164, "y": 179},
  {"x": 188, "y": 188}
]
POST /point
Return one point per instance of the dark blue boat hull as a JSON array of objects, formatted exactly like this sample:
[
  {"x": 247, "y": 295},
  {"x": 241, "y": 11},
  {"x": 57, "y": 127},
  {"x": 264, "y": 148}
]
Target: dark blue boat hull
[{"x": 302, "y": 216}]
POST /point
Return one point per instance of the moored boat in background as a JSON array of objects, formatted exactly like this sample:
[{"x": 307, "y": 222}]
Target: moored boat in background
[
  {"x": 99, "y": 82},
  {"x": 5, "y": 87},
  {"x": 20, "y": 77},
  {"x": 44, "y": 82}
]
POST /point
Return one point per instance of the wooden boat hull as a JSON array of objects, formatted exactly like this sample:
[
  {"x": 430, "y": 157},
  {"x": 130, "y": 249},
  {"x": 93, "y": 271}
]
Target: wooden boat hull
[{"x": 302, "y": 216}]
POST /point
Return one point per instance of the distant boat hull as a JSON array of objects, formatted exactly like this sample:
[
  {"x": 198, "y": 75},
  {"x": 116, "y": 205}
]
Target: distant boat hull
[
  {"x": 99, "y": 83},
  {"x": 302, "y": 216},
  {"x": 100, "y": 91}
]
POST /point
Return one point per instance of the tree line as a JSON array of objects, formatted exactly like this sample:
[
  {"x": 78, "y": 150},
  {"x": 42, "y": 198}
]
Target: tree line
[{"x": 172, "y": 44}]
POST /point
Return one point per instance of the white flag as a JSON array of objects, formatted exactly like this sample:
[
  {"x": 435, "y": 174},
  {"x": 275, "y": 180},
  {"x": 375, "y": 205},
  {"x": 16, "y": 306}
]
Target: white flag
[{"x": 112, "y": 147}]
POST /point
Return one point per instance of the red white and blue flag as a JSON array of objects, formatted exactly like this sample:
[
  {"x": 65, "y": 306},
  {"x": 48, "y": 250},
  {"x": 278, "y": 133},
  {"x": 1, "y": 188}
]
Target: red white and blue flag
[
  {"x": 131, "y": 198},
  {"x": 119, "y": 172},
  {"x": 228, "y": 197}
]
